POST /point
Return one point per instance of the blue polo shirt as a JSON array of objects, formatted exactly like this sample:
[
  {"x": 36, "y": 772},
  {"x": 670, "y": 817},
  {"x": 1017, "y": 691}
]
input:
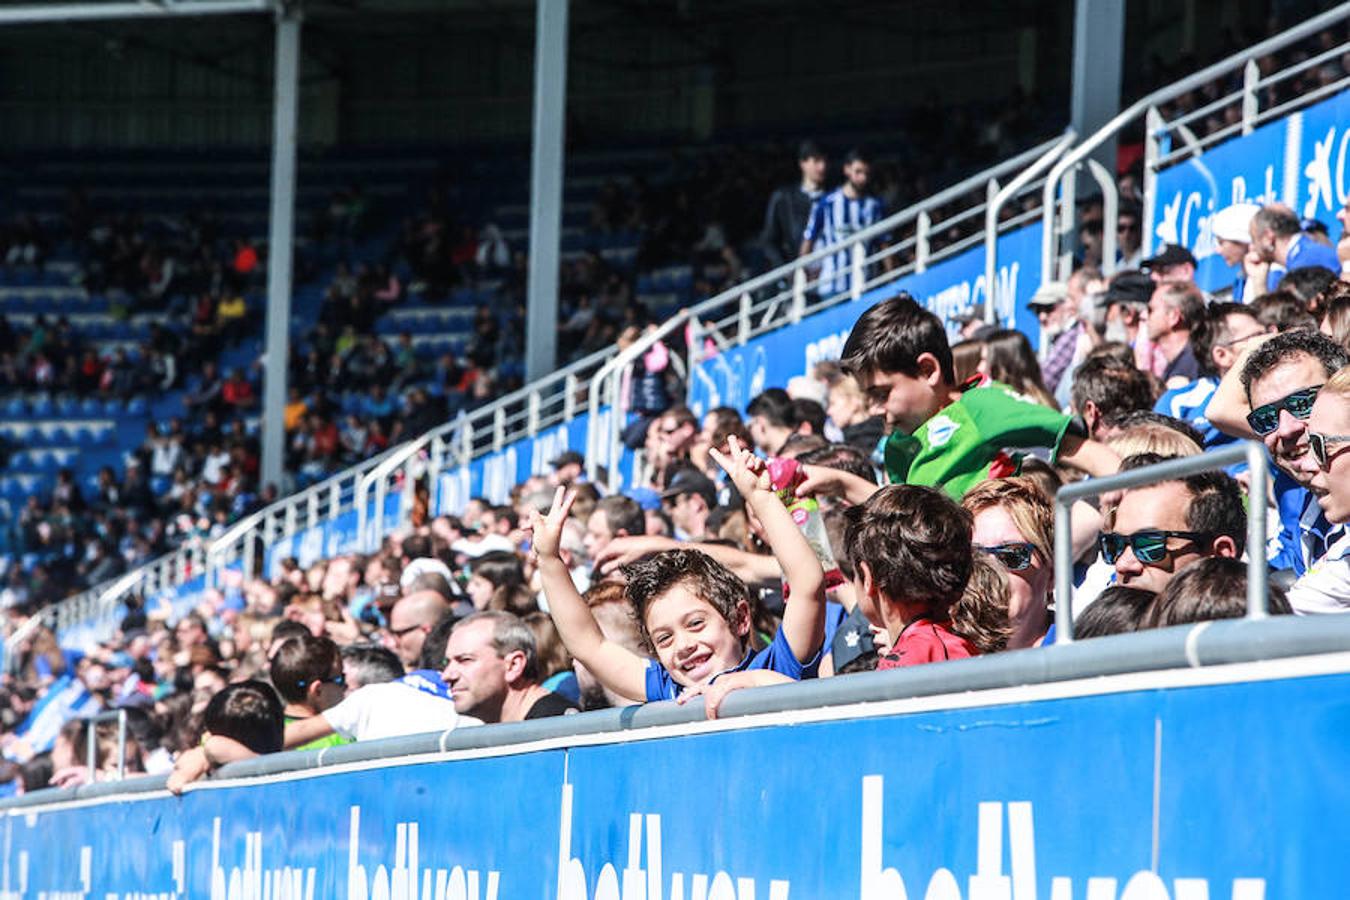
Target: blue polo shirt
[
  {"x": 1305, "y": 252},
  {"x": 1305, "y": 533},
  {"x": 777, "y": 657}
]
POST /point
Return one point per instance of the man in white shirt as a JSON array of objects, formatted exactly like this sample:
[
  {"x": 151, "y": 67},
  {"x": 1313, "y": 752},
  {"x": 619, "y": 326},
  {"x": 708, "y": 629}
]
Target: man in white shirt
[{"x": 382, "y": 702}]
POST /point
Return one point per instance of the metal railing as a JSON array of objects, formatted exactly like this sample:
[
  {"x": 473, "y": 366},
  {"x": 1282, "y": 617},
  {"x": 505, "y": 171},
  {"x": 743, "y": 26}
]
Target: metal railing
[
  {"x": 1057, "y": 255},
  {"x": 91, "y": 742},
  {"x": 787, "y": 294},
  {"x": 1253, "y": 453}
]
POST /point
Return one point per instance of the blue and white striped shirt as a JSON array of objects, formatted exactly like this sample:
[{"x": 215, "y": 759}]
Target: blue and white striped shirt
[{"x": 835, "y": 218}]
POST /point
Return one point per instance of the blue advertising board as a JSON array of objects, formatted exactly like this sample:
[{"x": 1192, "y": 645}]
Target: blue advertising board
[
  {"x": 493, "y": 475},
  {"x": 332, "y": 537},
  {"x": 1139, "y": 791},
  {"x": 949, "y": 288},
  {"x": 1300, "y": 160}
]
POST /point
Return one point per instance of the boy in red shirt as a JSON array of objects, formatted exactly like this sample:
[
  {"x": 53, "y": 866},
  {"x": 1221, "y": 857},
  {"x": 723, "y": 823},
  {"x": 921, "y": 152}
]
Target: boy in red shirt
[{"x": 911, "y": 555}]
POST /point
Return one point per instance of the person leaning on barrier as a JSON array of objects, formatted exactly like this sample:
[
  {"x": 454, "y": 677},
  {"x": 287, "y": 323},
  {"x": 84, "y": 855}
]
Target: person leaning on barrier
[
  {"x": 1160, "y": 528},
  {"x": 693, "y": 612},
  {"x": 944, "y": 434},
  {"x": 395, "y": 705},
  {"x": 307, "y": 673},
  {"x": 1325, "y": 587},
  {"x": 242, "y": 721}
]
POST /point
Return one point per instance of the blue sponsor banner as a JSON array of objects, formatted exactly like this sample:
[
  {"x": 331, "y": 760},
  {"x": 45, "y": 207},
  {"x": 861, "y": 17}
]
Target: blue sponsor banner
[
  {"x": 493, "y": 475},
  {"x": 332, "y": 537},
  {"x": 1300, "y": 160},
  {"x": 1154, "y": 793},
  {"x": 949, "y": 288}
]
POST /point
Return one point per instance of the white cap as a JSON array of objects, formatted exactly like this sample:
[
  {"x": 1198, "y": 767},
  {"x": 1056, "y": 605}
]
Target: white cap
[
  {"x": 424, "y": 565},
  {"x": 1234, "y": 223}
]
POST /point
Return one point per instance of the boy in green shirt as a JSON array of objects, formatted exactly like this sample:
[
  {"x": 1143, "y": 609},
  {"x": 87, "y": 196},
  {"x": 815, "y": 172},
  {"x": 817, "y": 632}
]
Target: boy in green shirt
[
  {"x": 307, "y": 674},
  {"x": 944, "y": 434}
]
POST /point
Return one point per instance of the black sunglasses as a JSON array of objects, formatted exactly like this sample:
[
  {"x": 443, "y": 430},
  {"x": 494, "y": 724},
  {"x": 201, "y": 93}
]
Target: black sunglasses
[
  {"x": 1015, "y": 556},
  {"x": 1317, "y": 442},
  {"x": 400, "y": 632},
  {"x": 1149, "y": 544},
  {"x": 338, "y": 679},
  {"x": 1265, "y": 419}
]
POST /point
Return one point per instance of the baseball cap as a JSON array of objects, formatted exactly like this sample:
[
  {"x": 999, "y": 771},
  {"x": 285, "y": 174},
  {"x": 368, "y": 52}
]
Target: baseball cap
[
  {"x": 646, "y": 498},
  {"x": 691, "y": 481},
  {"x": 1233, "y": 223},
  {"x": 1130, "y": 286},
  {"x": 1171, "y": 255},
  {"x": 567, "y": 458},
  {"x": 1051, "y": 293}
]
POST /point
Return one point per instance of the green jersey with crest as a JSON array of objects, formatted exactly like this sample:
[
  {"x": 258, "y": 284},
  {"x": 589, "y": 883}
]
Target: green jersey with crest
[{"x": 966, "y": 442}]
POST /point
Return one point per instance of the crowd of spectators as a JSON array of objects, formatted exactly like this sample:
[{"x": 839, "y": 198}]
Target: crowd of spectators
[
  {"x": 901, "y": 496},
  {"x": 892, "y": 509}
]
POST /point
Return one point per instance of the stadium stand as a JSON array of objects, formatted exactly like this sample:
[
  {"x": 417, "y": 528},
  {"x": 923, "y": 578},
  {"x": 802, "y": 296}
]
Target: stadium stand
[{"x": 917, "y": 393}]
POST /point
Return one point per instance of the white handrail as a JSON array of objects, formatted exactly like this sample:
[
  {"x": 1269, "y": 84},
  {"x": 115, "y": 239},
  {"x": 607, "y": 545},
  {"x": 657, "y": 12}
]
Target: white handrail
[
  {"x": 603, "y": 433},
  {"x": 1050, "y": 238}
]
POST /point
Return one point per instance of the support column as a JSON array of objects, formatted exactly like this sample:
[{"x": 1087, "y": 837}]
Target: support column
[
  {"x": 280, "y": 243},
  {"x": 546, "y": 186},
  {"x": 1098, "y": 47}
]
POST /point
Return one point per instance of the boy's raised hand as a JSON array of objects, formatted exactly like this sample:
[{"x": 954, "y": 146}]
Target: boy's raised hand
[
  {"x": 547, "y": 530},
  {"x": 747, "y": 471}
]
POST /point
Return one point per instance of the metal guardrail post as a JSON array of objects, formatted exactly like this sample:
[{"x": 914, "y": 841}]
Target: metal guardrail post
[
  {"x": 923, "y": 225},
  {"x": 1153, "y": 123},
  {"x": 1251, "y": 101},
  {"x": 532, "y": 413},
  {"x": 997, "y": 197},
  {"x": 857, "y": 271},
  {"x": 498, "y": 429},
  {"x": 570, "y": 385},
  {"x": 91, "y": 742},
  {"x": 743, "y": 319},
  {"x": 1110, "y": 213},
  {"x": 1251, "y": 452}
]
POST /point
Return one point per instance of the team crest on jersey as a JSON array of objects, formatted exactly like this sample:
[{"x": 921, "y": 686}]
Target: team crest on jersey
[{"x": 940, "y": 431}]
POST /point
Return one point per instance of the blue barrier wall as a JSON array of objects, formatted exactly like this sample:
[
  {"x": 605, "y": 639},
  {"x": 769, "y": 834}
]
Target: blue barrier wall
[
  {"x": 1300, "y": 160},
  {"x": 948, "y": 288},
  {"x": 1140, "y": 791},
  {"x": 332, "y": 537}
]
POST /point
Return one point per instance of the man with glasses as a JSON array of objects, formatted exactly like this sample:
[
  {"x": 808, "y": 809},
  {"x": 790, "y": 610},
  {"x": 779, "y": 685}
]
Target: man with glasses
[
  {"x": 410, "y": 621},
  {"x": 1282, "y": 378},
  {"x": 1160, "y": 528},
  {"x": 1129, "y": 235},
  {"x": 1223, "y": 335},
  {"x": 1325, "y": 587},
  {"x": 307, "y": 673}
]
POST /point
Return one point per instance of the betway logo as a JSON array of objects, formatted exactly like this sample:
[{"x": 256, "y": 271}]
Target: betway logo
[
  {"x": 644, "y": 878},
  {"x": 989, "y": 882}
]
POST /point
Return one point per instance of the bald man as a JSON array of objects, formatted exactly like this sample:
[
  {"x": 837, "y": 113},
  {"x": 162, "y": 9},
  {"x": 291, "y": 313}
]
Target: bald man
[{"x": 409, "y": 621}]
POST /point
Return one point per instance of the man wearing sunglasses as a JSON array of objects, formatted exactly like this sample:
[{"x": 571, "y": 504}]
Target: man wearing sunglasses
[
  {"x": 1161, "y": 528},
  {"x": 1269, "y": 395},
  {"x": 1325, "y": 587},
  {"x": 307, "y": 673}
]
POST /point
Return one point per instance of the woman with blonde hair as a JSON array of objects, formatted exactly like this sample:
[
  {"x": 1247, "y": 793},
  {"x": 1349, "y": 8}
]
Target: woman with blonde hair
[{"x": 1014, "y": 525}]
